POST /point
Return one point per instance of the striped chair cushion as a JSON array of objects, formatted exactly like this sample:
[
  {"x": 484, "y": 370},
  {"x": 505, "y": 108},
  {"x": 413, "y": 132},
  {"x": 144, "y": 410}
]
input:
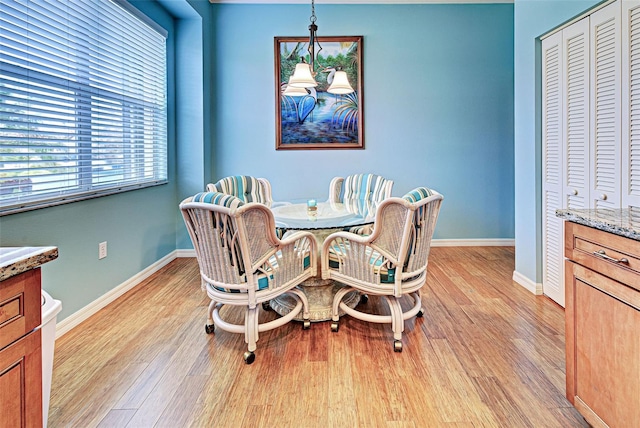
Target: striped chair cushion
[
  {"x": 245, "y": 187},
  {"x": 364, "y": 186},
  {"x": 218, "y": 198},
  {"x": 417, "y": 194}
]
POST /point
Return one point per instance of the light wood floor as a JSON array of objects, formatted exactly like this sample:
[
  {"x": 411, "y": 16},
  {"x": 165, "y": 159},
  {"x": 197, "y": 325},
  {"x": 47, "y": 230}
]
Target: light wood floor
[{"x": 487, "y": 353}]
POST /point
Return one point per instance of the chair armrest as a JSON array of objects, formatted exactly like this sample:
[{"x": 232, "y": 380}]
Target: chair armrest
[
  {"x": 296, "y": 238},
  {"x": 352, "y": 240},
  {"x": 328, "y": 243},
  {"x": 363, "y": 239}
]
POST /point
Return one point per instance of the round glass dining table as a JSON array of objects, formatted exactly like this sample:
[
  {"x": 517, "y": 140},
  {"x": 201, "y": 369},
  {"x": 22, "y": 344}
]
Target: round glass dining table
[{"x": 321, "y": 219}]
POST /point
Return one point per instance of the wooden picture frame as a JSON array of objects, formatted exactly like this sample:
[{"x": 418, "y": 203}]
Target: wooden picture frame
[{"x": 319, "y": 120}]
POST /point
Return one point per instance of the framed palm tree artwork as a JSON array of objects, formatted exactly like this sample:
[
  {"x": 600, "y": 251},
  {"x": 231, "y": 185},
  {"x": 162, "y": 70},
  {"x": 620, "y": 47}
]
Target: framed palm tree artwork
[{"x": 328, "y": 115}]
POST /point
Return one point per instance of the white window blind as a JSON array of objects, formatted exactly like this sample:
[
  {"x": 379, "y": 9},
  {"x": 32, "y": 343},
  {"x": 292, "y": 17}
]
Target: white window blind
[{"x": 82, "y": 102}]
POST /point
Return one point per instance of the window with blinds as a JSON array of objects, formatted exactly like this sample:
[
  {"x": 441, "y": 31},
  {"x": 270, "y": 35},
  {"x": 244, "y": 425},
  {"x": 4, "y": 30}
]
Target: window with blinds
[{"x": 82, "y": 102}]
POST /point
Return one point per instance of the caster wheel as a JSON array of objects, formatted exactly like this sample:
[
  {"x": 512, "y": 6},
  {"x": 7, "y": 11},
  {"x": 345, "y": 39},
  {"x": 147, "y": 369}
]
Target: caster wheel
[
  {"x": 420, "y": 313},
  {"x": 364, "y": 299},
  {"x": 306, "y": 325},
  {"x": 335, "y": 326},
  {"x": 209, "y": 328},
  {"x": 249, "y": 357},
  {"x": 266, "y": 306},
  {"x": 397, "y": 346}
]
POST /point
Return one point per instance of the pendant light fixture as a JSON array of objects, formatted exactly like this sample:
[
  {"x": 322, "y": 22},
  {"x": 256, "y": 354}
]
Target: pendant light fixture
[
  {"x": 305, "y": 73},
  {"x": 340, "y": 84},
  {"x": 294, "y": 91}
]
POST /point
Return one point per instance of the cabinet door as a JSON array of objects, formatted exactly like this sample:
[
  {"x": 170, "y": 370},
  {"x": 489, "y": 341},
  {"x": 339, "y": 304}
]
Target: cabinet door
[
  {"x": 631, "y": 106},
  {"x": 21, "y": 382},
  {"x": 552, "y": 165},
  {"x": 576, "y": 134},
  {"x": 603, "y": 345},
  {"x": 606, "y": 116}
]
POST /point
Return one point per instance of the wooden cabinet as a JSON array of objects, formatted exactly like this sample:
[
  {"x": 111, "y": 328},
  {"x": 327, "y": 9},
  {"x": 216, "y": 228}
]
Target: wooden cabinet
[
  {"x": 20, "y": 351},
  {"x": 602, "y": 284}
]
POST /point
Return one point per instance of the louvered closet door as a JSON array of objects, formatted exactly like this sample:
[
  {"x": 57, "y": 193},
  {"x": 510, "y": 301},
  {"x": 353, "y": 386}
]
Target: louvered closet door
[
  {"x": 576, "y": 130},
  {"x": 631, "y": 107},
  {"x": 552, "y": 169},
  {"x": 606, "y": 113}
]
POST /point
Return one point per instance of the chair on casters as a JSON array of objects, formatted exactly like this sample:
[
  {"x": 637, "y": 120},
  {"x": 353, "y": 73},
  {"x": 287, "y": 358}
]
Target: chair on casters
[
  {"x": 391, "y": 262},
  {"x": 244, "y": 187},
  {"x": 243, "y": 263}
]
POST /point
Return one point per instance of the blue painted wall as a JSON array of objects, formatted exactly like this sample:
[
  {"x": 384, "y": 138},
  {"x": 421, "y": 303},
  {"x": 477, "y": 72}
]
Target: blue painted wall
[
  {"x": 532, "y": 19},
  {"x": 438, "y": 112},
  {"x": 438, "y": 105}
]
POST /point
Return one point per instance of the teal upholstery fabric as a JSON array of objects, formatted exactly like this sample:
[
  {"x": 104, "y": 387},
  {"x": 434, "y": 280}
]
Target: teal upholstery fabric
[
  {"x": 363, "y": 186},
  {"x": 218, "y": 198},
  {"x": 417, "y": 194},
  {"x": 245, "y": 187}
]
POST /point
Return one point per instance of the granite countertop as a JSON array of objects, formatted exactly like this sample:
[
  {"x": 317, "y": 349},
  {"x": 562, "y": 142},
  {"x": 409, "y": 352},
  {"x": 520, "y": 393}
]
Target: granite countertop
[
  {"x": 621, "y": 221},
  {"x": 16, "y": 260}
]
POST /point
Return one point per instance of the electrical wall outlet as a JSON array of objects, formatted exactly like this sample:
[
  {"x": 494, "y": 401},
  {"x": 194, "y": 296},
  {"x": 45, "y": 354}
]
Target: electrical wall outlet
[{"x": 102, "y": 250}]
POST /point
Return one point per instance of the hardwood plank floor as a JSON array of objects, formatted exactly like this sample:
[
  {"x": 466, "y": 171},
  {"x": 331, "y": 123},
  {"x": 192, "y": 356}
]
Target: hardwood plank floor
[{"x": 487, "y": 353}]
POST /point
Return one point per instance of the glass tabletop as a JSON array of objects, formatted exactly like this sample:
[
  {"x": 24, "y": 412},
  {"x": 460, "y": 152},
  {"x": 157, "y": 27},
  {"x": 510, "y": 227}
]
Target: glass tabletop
[{"x": 299, "y": 214}]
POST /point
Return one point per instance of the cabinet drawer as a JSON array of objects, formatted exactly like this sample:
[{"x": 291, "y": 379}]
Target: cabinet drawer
[
  {"x": 614, "y": 256},
  {"x": 20, "y": 306}
]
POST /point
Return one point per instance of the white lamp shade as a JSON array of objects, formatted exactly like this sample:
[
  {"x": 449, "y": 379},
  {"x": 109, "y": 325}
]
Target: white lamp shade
[
  {"x": 340, "y": 84},
  {"x": 292, "y": 91},
  {"x": 302, "y": 77}
]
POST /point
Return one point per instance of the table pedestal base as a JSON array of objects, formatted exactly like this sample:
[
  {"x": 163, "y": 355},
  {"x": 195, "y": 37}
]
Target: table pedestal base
[{"x": 320, "y": 293}]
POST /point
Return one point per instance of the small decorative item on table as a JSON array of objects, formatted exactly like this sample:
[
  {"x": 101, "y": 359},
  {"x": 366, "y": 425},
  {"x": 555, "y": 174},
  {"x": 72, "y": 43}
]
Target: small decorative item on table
[{"x": 312, "y": 209}]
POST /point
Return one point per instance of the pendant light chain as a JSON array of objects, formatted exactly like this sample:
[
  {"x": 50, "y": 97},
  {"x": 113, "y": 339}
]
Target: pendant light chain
[{"x": 313, "y": 40}]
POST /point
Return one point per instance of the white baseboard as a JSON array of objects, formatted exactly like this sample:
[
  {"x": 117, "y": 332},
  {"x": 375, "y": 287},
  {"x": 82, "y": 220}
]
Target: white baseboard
[
  {"x": 83, "y": 314},
  {"x": 534, "y": 287},
  {"x": 186, "y": 253},
  {"x": 473, "y": 243}
]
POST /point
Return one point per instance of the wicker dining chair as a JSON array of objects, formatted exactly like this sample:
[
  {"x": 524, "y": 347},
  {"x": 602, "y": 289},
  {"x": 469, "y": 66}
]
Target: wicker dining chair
[
  {"x": 244, "y": 187},
  {"x": 390, "y": 263},
  {"x": 243, "y": 263},
  {"x": 360, "y": 189}
]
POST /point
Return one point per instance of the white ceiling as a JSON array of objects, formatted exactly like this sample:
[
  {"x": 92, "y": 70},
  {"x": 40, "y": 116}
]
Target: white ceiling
[{"x": 357, "y": 1}]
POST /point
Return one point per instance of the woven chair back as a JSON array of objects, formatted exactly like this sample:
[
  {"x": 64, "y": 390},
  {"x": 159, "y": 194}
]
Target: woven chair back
[
  {"x": 230, "y": 238},
  {"x": 404, "y": 227}
]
